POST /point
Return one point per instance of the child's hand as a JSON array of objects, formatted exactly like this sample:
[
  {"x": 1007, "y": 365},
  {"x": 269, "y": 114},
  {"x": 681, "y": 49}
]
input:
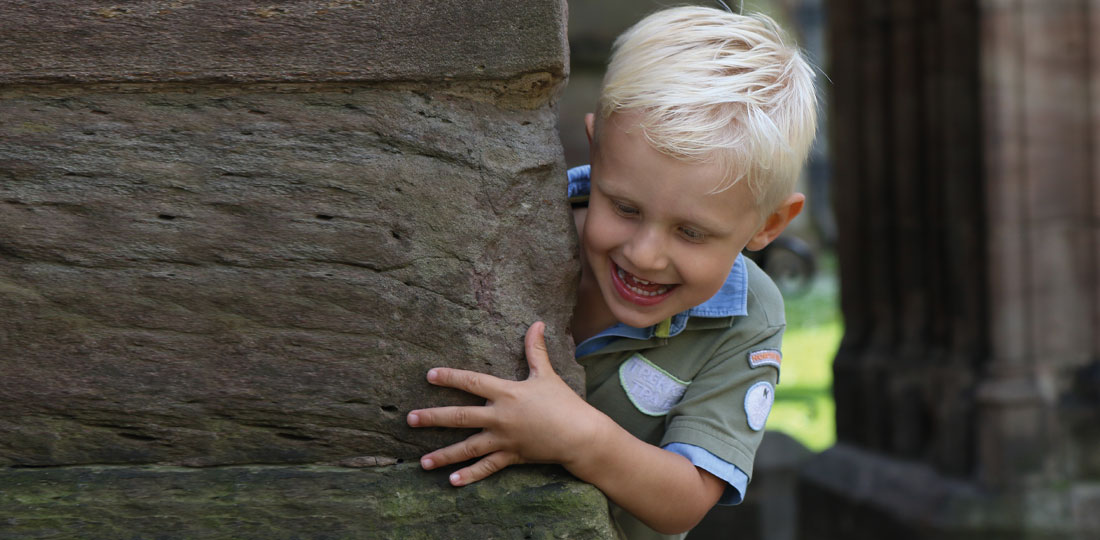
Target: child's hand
[{"x": 539, "y": 420}]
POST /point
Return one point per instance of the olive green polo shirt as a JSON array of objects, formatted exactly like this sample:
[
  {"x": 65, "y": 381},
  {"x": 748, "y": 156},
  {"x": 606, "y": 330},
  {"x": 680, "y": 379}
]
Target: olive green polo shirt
[{"x": 711, "y": 385}]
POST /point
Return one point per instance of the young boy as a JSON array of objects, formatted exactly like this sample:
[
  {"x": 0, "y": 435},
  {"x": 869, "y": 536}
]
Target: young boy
[{"x": 705, "y": 118}]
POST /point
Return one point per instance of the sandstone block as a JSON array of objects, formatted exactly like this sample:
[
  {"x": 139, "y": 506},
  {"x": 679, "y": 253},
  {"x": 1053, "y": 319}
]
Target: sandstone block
[
  {"x": 233, "y": 276},
  {"x": 211, "y": 253}
]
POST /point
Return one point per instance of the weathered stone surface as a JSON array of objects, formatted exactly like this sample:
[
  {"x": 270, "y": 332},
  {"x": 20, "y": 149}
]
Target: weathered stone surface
[
  {"x": 231, "y": 276},
  {"x": 269, "y": 502},
  {"x": 53, "y": 41},
  {"x": 238, "y": 234}
]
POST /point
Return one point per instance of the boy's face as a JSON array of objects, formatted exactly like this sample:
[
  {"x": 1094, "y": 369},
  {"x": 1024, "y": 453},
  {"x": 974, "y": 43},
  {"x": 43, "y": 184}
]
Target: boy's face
[{"x": 657, "y": 241}]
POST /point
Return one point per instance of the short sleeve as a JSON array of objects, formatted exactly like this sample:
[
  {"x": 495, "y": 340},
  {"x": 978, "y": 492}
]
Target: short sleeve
[
  {"x": 737, "y": 482},
  {"x": 725, "y": 408}
]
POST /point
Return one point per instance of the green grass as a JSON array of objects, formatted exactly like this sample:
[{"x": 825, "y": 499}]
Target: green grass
[{"x": 804, "y": 407}]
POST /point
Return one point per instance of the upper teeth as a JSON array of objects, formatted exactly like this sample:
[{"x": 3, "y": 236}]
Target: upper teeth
[{"x": 660, "y": 290}]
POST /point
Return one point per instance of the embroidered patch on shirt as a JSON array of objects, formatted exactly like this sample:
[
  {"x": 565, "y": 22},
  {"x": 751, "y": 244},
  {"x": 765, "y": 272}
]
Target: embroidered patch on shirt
[
  {"x": 766, "y": 357},
  {"x": 651, "y": 389},
  {"x": 758, "y": 403}
]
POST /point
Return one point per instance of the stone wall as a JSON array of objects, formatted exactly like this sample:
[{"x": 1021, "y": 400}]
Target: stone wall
[{"x": 239, "y": 233}]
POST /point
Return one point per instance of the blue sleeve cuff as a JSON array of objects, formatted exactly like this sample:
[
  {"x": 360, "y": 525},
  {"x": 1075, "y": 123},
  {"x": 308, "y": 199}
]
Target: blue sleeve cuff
[{"x": 736, "y": 478}]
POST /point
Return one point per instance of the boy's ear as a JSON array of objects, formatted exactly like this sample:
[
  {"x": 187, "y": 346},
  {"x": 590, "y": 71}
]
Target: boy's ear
[
  {"x": 777, "y": 221},
  {"x": 590, "y": 126}
]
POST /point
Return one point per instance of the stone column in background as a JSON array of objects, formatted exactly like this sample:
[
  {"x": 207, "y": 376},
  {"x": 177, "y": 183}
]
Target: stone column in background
[
  {"x": 968, "y": 383},
  {"x": 237, "y": 234}
]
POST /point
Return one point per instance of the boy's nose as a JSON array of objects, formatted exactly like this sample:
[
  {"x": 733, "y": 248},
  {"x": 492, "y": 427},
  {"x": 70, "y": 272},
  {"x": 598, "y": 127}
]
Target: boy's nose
[{"x": 646, "y": 250}]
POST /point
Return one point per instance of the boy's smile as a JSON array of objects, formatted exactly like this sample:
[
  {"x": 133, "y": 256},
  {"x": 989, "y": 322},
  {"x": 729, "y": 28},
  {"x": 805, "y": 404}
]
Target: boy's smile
[
  {"x": 656, "y": 241},
  {"x": 637, "y": 290}
]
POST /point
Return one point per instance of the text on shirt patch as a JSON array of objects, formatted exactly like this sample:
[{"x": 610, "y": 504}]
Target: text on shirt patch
[
  {"x": 766, "y": 357},
  {"x": 758, "y": 403},
  {"x": 651, "y": 389}
]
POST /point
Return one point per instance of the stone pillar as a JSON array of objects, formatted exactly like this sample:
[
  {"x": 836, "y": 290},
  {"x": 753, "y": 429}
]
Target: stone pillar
[
  {"x": 968, "y": 191},
  {"x": 235, "y": 235}
]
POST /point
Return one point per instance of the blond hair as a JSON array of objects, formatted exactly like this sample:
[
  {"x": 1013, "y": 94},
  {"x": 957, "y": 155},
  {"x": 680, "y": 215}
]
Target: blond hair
[{"x": 714, "y": 86}]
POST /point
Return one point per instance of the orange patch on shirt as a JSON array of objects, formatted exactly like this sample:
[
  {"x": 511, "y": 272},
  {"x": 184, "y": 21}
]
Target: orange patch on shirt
[{"x": 766, "y": 357}]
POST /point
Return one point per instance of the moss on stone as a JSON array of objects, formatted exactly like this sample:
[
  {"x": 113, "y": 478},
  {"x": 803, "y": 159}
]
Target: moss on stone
[{"x": 285, "y": 502}]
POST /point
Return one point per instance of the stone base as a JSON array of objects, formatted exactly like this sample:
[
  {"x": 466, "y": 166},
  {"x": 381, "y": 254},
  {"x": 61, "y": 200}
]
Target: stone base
[
  {"x": 296, "y": 502},
  {"x": 853, "y": 494}
]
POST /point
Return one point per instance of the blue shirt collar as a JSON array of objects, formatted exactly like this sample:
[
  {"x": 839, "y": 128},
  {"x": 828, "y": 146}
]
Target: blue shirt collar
[{"x": 731, "y": 300}]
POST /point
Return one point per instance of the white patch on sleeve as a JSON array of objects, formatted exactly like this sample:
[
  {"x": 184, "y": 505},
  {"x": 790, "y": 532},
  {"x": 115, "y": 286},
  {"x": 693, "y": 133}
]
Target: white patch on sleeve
[
  {"x": 758, "y": 403},
  {"x": 651, "y": 389}
]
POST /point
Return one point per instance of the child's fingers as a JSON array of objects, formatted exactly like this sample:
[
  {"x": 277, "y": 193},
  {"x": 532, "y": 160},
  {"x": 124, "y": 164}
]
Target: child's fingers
[
  {"x": 473, "y": 447},
  {"x": 484, "y": 468},
  {"x": 473, "y": 382},
  {"x": 456, "y": 417},
  {"x": 535, "y": 345}
]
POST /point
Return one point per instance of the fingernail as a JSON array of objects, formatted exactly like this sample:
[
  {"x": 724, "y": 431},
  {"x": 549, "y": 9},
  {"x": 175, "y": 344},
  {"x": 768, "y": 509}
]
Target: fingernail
[
  {"x": 427, "y": 463},
  {"x": 456, "y": 480},
  {"x": 433, "y": 375},
  {"x": 413, "y": 419}
]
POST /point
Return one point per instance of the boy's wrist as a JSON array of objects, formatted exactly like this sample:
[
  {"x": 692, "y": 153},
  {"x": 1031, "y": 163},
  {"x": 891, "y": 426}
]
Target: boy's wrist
[{"x": 596, "y": 446}]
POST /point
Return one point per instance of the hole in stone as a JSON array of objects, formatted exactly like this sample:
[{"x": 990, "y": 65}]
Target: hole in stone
[
  {"x": 257, "y": 111},
  {"x": 395, "y": 234},
  {"x": 296, "y": 437},
  {"x": 136, "y": 437},
  {"x": 97, "y": 111},
  {"x": 325, "y": 217},
  {"x": 389, "y": 408},
  {"x": 166, "y": 217},
  {"x": 400, "y": 461}
]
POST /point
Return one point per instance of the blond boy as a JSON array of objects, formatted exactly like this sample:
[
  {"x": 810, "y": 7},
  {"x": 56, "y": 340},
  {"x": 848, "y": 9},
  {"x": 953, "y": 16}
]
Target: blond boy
[{"x": 704, "y": 120}]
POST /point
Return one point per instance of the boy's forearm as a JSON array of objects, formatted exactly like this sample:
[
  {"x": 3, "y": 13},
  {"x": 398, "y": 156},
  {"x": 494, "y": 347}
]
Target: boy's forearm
[{"x": 662, "y": 489}]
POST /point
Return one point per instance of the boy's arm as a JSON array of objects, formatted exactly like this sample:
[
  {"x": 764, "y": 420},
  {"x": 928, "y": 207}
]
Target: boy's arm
[{"x": 541, "y": 420}]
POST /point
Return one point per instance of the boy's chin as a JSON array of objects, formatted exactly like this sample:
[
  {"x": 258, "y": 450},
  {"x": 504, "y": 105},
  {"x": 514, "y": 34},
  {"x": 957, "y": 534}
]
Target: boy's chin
[{"x": 640, "y": 320}]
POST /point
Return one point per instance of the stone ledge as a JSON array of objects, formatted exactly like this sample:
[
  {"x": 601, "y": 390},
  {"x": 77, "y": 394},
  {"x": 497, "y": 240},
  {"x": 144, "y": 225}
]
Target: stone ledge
[
  {"x": 52, "y": 41},
  {"x": 285, "y": 502},
  {"x": 861, "y": 495}
]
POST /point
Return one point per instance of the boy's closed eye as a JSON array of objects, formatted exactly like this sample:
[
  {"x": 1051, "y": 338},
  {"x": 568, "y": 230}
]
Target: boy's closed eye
[
  {"x": 689, "y": 233},
  {"x": 625, "y": 210},
  {"x": 693, "y": 235}
]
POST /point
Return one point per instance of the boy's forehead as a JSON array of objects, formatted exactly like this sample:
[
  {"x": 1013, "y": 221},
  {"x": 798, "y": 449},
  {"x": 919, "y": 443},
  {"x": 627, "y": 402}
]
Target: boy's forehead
[
  {"x": 620, "y": 139},
  {"x": 623, "y": 145}
]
